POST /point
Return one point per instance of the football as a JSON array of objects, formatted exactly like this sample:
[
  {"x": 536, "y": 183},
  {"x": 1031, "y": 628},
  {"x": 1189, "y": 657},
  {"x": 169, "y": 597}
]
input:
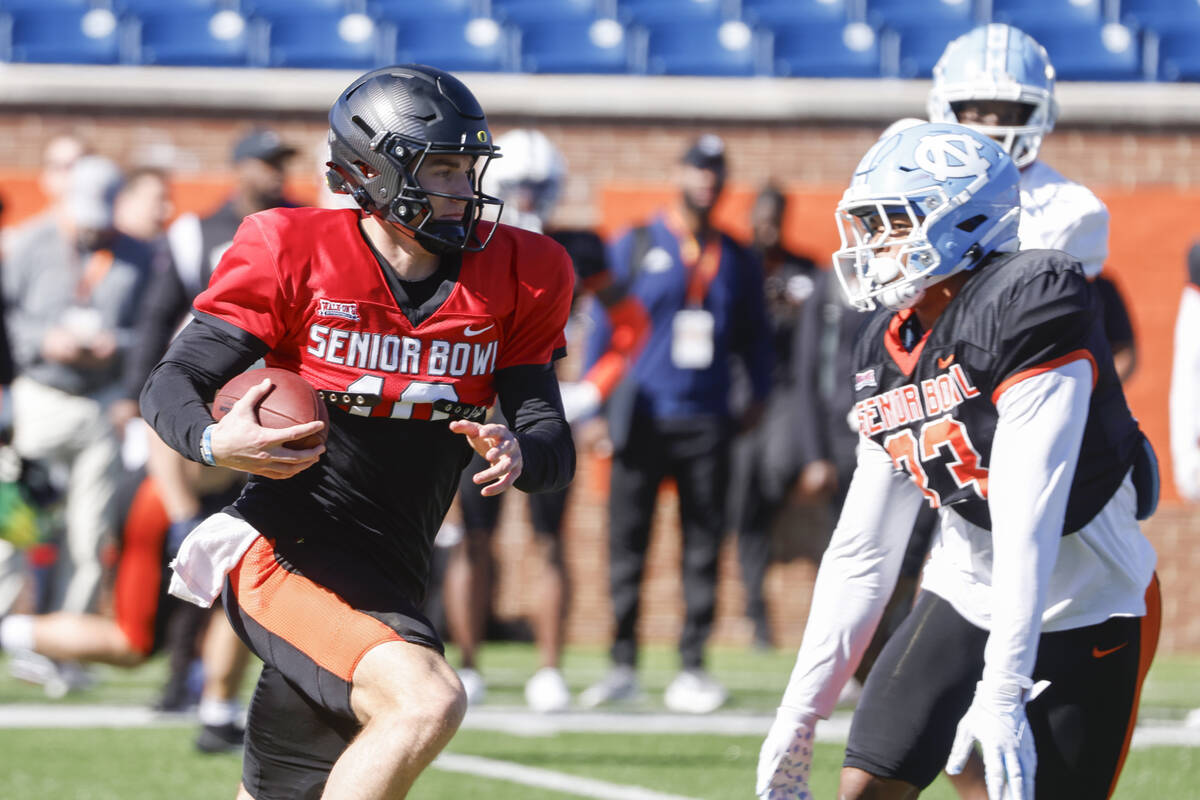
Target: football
[{"x": 290, "y": 401}]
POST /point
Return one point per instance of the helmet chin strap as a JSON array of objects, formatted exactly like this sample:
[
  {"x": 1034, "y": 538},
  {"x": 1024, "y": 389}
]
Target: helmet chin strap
[{"x": 882, "y": 270}]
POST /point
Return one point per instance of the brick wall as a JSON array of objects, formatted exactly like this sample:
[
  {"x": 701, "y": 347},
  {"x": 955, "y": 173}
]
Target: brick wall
[{"x": 1149, "y": 178}]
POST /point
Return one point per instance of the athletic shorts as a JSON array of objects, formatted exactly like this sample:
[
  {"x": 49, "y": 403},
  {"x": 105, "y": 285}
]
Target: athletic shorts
[
  {"x": 141, "y": 604},
  {"x": 311, "y": 618},
  {"x": 546, "y": 509},
  {"x": 925, "y": 679}
]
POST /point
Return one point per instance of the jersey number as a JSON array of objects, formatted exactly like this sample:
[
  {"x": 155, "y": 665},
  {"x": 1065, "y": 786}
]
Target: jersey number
[
  {"x": 946, "y": 435},
  {"x": 417, "y": 392}
]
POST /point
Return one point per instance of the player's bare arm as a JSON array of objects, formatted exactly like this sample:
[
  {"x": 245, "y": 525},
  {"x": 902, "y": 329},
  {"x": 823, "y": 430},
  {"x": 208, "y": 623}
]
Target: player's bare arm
[{"x": 239, "y": 442}]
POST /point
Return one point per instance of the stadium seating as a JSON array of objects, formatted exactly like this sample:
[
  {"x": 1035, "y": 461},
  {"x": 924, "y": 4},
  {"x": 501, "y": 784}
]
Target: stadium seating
[
  {"x": 918, "y": 47},
  {"x": 139, "y": 7},
  {"x": 471, "y": 45},
  {"x": 57, "y": 35},
  {"x": 701, "y": 47},
  {"x": 826, "y": 49},
  {"x": 575, "y": 46},
  {"x": 905, "y": 14},
  {"x": 326, "y": 40},
  {"x": 654, "y": 12},
  {"x": 1047, "y": 12},
  {"x": 1086, "y": 52},
  {"x": 790, "y": 12},
  {"x": 192, "y": 37},
  {"x": 297, "y": 8},
  {"x": 1159, "y": 15},
  {"x": 520, "y": 12},
  {"x": 45, "y": 5},
  {"x": 405, "y": 10},
  {"x": 1178, "y": 55}
]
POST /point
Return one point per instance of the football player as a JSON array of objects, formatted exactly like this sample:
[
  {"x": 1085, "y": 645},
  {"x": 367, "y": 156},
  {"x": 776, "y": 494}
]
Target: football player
[
  {"x": 410, "y": 315},
  {"x": 999, "y": 81},
  {"x": 987, "y": 390}
]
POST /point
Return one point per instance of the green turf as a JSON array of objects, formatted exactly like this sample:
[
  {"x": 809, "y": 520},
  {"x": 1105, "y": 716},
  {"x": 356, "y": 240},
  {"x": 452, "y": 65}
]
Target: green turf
[{"x": 145, "y": 764}]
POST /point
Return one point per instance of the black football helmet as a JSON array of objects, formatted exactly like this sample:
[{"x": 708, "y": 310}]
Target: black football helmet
[{"x": 384, "y": 126}]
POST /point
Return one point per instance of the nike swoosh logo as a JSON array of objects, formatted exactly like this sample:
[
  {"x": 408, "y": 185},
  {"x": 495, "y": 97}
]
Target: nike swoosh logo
[
  {"x": 1098, "y": 653},
  {"x": 469, "y": 331},
  {"x": 945, "y": 362}
]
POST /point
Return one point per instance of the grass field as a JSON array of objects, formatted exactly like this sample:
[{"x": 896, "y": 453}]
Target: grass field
[{"x": 159, "y": 762}]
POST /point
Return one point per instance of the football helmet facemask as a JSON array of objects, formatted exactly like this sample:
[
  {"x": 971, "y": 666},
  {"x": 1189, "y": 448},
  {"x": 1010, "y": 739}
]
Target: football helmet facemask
[
  {"x": 529, "y": 179},
  {"x": 382, "y": 129},
  {"x": 924, "y": 203},
  {"x": 997, "y": 62}
]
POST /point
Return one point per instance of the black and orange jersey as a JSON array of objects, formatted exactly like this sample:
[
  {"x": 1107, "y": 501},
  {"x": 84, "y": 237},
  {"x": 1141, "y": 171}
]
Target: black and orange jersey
[
  {"x": 929, "y": 398},
  {"x": 303, "y": 289}
]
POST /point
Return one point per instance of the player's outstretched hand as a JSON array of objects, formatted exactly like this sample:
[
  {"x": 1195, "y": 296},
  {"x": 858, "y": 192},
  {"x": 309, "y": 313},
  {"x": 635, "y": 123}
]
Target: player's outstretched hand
[
  {"x": 500, "y": 447},
  {"x": 996, "y": 719},
  {"x": 786, "y": 757},
  {"x": 239, "y": 442}
]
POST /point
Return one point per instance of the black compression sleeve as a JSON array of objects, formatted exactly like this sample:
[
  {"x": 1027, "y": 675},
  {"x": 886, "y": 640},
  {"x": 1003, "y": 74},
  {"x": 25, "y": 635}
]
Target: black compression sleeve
[
  {"x": 206, "y": 354},
  {"x": 531, "y": 403}
]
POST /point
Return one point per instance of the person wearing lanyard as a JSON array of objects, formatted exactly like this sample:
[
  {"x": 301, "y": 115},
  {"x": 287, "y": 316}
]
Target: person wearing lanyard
[
  {"x": 74, "y": 286},
  {"x": 670, "y": 416}
]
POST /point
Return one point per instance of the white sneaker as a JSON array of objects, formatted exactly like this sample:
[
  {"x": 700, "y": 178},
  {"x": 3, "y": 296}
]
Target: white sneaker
[
  {"x": 547, "y": 692},
  {"x": 694, "y": 691},
  {"x": 57, "y": 678},
  {"x": 473, "y": 685},
  {"x": 619, "y": 685}
]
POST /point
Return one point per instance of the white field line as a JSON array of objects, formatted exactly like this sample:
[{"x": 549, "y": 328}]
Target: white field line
[
  {"x": 518, "y": 721},
  {"x": 547, "y": 779}
]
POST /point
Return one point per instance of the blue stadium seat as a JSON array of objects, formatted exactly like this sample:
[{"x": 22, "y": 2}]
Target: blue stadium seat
[
  {"x": 1047, "y": 12},
  {"x": 906, "y": 14},
  {"x": 918, "y": 47},
  {"x": 474, "y": 45},
  {"x": 64, "y": 36},
  {"x": 702, "y": 47},
  {"x": 826, "y": 49},
  {"x": 193, "y": 37},
  {"x": 1082, "y": 51},
  {"x": 520, "y": 12},
  {"x": 654, "y": 12},
  {"x": 405, "y": 10},
  {"x": 575, "y": 46},
  {"x": 141, "y": 7},
  {"x": 771, "y": 13},
  {"x": 326, "y": 40},
  {"x": 274, "y": 9},
  {"x": 1178, "y": 55},
  {"x": 1159, "y": 15}
]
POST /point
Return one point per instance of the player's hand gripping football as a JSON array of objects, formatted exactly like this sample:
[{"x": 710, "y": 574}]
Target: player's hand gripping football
[
  {"x": 500, "y": 447},
  {"x": 996, "y": 719},
  {"x": 239, "y": 442},
  {"x": 786, "y": 757}
]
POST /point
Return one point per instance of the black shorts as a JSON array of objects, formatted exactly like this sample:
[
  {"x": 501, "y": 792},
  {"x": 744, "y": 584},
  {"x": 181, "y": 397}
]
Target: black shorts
[
  {"x": 925, "y": 679},
  {"x": 310, "y": 624},
  {"x": 482, "y": 514}
]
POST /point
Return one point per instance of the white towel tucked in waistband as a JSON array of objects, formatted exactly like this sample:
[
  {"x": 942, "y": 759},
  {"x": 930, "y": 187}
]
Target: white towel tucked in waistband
[{"x": 207, "y": 555}]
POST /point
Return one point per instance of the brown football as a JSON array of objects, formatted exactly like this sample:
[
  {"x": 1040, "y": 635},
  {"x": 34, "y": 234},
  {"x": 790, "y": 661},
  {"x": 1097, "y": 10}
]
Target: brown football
[{"x": 290, "y": 401}]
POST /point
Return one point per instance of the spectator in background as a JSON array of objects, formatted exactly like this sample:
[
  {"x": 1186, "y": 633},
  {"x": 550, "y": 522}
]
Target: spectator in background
[
  {"x": 764, "y": 464},
  {"x": 144, "y": 206},
  {"x": 529, "y": 179},
  {"x": 1185, "y": 385},
  {"x": 671, "y": 416},
  {"x": 74, "y": 286},
  {"x": 58, "y": 158}
]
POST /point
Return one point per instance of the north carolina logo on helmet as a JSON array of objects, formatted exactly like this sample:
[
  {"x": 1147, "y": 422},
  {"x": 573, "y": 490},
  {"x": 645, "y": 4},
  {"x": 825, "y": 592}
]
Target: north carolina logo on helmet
[{"x": 950, "y": 155}]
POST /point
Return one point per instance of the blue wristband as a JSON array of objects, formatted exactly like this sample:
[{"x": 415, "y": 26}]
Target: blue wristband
[{"x": 206, "y": 453}]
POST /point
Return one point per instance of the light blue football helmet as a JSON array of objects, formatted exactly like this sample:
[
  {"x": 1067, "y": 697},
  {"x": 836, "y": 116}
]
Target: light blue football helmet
[
  {"x": 997, "y": 62},
  {"x": 924, "y": 203}
]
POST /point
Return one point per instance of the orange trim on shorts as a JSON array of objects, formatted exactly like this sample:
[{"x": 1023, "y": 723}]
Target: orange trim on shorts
[
  {"x": 138, "y": 590},
  {"x": 1074, "y": 355},
  {"x": 308, "y": 616},
  {"x": 1150, "y": 628}
]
